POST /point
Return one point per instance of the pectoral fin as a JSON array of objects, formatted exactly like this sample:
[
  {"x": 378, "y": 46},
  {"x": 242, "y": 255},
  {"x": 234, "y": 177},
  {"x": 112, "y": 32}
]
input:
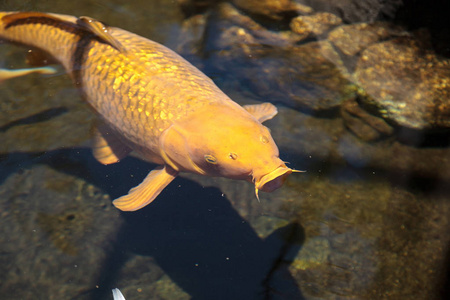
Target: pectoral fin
[
  {"x": 263, "y": 112},
  {"x": 101, "y": 30},
  {"x": 6, "y": 74},
  {"x": 107, "y": 148},
  {"x": 148, "y": 190}
]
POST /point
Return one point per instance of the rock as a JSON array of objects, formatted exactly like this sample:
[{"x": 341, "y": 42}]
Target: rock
[
  {"x": 352, "y": 11},
  {"x": 166, "y": 289},
  {"x": 357, "y": 229},
  {"x": 314, "y": 25},
  {"x": 325, "y": 74},
  {"x": 189, "y": 41},
  {"x": 54, "y": 227},
  {"x": 352, "y": 39},
  {"x": 226, "y": 17},
  {"x": 314, "y": 253},
  {"x": 272, "y": 9},
  {"x": 260, "y": 60},
  {"x": 314, "y": 83},
  {"x": 370, "y": 56},
  {"x": 265, "y": 225},
  {"x": 406, "y": 83},
  {"x": 400, "y": 77},
  {"x": 365, "y": 126}
]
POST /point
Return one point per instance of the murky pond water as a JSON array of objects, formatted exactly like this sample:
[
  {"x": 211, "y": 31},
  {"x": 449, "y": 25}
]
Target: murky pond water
[{"x": 364, "y": 109}]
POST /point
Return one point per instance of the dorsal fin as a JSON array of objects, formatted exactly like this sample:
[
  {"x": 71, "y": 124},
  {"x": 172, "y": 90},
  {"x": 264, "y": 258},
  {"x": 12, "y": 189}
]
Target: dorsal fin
[{"x": 101, "y": 30}]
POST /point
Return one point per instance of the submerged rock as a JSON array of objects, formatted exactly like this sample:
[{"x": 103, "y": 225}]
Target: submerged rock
[
  {"x": 271, "y": 65},
  {"x": 352, "y": 39},
  {"x": 54, "y": 227},
  {"x": 376, "y": 74},
  {"x": 352, "y": 11},
  {"x": 397, "y": 82},
  {"x": 315, "y": 84},
  {"x": 274, "y": 9},
  {"x": 365, "y": 126},
  {"x": 314, "y": 25},
  {"x": 399, "y": 77},
  {"x": 314, "y": 253},
  {"x": 406, "y": 84}
]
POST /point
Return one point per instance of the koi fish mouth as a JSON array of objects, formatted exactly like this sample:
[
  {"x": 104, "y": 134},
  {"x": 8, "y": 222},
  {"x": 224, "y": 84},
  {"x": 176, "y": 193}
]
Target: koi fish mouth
[{"x": 273, "y": 180}]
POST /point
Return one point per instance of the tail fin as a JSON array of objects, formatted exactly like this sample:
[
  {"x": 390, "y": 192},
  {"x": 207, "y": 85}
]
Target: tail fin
[{"x": 55, "y": 34}]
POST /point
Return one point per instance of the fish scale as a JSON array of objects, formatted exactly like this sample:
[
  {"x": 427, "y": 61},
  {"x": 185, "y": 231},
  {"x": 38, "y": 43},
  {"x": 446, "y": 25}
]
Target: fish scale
[
  {"x": 154, "y": 102},
  {"x": 144, "y": 57},
  {"x": 153, "y": 86}
]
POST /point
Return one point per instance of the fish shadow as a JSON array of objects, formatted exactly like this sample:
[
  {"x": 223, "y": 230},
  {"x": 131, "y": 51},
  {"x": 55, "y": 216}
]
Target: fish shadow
[
  {"x": 193, "y": 233},
  {"x": 36, "y": 118}
]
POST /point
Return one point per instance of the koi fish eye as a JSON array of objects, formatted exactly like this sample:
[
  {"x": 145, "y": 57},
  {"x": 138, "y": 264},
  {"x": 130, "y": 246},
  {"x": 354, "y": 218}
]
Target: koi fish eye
[
  {"x": 233, "y": 156},
  {"x": 210, "y": 159}
]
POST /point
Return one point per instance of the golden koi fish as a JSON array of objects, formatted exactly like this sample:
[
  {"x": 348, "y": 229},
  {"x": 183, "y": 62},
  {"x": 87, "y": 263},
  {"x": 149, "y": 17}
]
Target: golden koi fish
[{"x": 152, "y": 101}]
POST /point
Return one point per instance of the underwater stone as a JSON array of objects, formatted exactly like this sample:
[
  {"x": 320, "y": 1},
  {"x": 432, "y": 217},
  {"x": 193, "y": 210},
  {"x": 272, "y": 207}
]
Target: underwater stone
[
  {"x": 314, "y": 25},
  {"x": 352, "y": 11},
  {"x": 251, "y": 57},
  {"x": 365, "y": 126},
  {"x": 314, "y": 252},
  {"x": 406, "y": 83},
  {"x": 351, "y": 39},
  {"x": 273, "y": 9}
]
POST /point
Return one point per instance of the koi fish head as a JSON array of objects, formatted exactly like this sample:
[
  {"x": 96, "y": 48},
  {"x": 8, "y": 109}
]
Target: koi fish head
[{"x": 225, "y": 144}]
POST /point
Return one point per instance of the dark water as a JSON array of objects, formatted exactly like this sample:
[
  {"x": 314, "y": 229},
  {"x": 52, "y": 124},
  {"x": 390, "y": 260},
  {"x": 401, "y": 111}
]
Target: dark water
[{"x": 368, "y": 220}]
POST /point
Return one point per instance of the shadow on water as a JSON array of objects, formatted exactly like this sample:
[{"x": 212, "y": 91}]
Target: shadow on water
[
  {"x": 39, "y": 117},
  {"x": 193, "y": 233}
]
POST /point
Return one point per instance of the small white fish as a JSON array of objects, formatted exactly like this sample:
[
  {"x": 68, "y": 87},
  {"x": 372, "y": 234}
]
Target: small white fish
[{"x": 117, "y": 294}]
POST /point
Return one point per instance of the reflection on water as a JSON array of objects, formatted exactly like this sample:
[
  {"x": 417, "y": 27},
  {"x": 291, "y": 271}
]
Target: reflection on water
[{"x": 363, "y": 108}]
